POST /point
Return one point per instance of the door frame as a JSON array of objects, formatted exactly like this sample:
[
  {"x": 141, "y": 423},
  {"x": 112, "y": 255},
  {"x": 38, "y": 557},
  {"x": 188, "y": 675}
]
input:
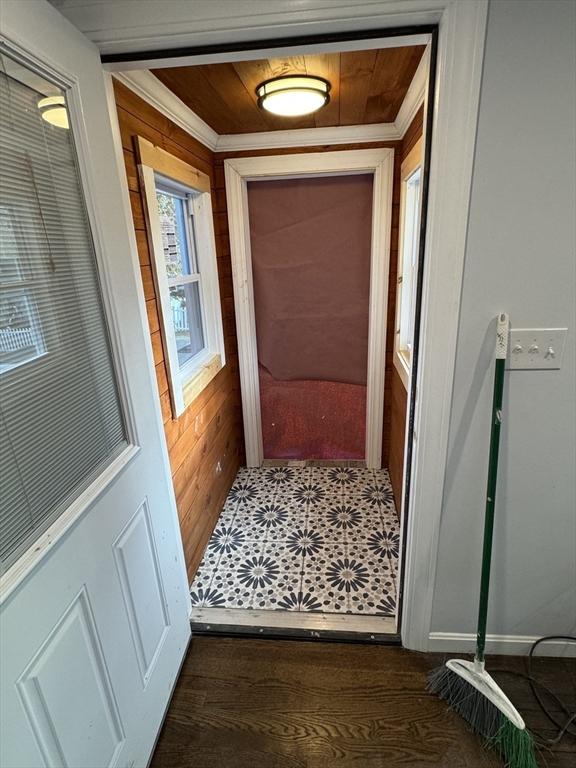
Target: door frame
[
  {"x": 238, "y": 172},
  {"x": 452, "y": 115}
]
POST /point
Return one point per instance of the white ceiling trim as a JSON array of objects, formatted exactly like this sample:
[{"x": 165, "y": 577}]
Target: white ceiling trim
[
  {"x": 308, "y": 137},
  {"x": 151, "y": 89},
  {"x": 148, "y": 87},
  {"x": 415, "y": 95}
]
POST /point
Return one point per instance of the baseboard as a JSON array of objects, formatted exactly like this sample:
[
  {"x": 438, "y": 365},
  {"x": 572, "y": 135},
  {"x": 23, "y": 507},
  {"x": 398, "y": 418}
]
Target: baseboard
[{"x": 512, "y": 645}]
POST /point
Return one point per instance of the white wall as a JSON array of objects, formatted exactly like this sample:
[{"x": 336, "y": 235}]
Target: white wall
[{"x": 520, "y": 258}]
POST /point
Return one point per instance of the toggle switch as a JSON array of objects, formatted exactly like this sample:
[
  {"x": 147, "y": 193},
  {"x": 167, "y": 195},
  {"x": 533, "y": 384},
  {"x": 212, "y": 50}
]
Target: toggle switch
[{"x": 536, "y": 348}]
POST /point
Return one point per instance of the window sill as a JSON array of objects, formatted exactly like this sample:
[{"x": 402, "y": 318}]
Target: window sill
[
  {"x": 200, "y": 380},
  {"x": 402, "y": 365}
]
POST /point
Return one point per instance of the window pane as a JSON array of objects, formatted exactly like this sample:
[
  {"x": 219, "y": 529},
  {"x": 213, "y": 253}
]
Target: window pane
[
  {"x": 10, "y": 267},
  {"x": 187, "y": 320},
  {"x": 410, "y": 239},
  {"x": 60, "y": 417},
  {"x": 176, "y": 240},
  {"x": 20, "y": 331}
]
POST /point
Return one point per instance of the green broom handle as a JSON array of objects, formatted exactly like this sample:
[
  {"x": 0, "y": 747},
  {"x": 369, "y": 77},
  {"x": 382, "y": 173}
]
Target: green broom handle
[{"x": 501, "y": 352}]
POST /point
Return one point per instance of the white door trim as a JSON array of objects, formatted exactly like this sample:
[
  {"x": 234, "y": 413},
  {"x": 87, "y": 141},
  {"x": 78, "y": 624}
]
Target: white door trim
[
  {"x": 238, "y": 171},
  {"x": 462, "y": 29},
  {"x": 460, "y": 57}
]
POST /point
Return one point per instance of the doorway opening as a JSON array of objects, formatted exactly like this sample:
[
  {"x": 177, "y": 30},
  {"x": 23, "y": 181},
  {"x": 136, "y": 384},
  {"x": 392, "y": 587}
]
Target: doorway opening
[
  {"x": 311, "y": 307},
  {"x": 292, "y": 519}
]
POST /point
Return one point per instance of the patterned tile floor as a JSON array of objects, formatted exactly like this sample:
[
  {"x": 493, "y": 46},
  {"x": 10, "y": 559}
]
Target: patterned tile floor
[{"x": 308, "y": 538}]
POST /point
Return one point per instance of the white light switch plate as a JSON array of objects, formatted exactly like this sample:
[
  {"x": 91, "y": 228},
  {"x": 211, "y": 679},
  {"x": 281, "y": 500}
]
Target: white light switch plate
[{"x": 536, "y": 348}]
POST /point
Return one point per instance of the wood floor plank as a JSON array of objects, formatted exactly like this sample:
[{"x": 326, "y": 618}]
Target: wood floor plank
[{"x": 250, "y": 703}]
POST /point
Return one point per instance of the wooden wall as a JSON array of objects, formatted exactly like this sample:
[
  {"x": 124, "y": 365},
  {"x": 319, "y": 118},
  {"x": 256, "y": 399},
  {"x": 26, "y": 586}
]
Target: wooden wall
[
  {"x": 206, "y": 443},
  {"x": 221, "y": 217},
  {"x": 397, "y": 392}
]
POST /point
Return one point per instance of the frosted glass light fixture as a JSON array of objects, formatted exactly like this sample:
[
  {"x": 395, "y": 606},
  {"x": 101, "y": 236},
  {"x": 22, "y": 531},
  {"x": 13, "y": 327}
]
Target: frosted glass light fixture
[
  {"x": 53, "y": 110},
  {"x": 293, "y": 95}
]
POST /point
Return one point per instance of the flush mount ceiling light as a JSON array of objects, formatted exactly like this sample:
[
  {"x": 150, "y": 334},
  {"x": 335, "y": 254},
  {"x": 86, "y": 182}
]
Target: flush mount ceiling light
[
  {"x": 53, "y": 110},
  {"x": 293, "y": 95}
]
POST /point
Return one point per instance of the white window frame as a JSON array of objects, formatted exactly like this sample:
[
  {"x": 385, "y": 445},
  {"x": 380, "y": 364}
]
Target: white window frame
[
  {"x": 160, "y": 170},
  {"x": 407, "y": 272}
]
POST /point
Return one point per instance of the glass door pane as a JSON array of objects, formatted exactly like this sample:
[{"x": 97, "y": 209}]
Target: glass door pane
[{"x": 60, "y": 416}]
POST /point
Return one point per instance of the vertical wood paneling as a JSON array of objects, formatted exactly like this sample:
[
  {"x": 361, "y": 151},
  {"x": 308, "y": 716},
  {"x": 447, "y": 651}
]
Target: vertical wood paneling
[
  {"x": 397, "y": 392},
  {"x": 205, "y": 444}
]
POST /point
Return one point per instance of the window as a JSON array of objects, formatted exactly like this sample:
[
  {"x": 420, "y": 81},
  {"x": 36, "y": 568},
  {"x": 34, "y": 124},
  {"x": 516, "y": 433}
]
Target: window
[
  {"x": 21, "y": 336},
  {"x": 182, "y": 272},
  {"x": 179, "y": 219},
  {"x": 410, "y": 197},
  {"x": 61, "y": 422}
]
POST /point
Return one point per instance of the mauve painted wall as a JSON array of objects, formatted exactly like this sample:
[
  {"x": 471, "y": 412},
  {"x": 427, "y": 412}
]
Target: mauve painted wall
[{"x": 311, "y": 266}]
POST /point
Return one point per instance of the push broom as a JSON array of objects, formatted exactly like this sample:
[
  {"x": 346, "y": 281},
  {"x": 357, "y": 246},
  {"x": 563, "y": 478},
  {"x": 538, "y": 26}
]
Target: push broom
[{"x": 466, "y": 685}]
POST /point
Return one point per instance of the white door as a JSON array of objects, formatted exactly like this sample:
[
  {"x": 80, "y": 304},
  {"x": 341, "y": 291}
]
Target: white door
[{"x": 94, "y": 614}]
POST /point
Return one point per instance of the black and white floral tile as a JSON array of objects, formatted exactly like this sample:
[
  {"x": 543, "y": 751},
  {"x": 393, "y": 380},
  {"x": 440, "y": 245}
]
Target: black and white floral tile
[{"x": 307, "y": 538}]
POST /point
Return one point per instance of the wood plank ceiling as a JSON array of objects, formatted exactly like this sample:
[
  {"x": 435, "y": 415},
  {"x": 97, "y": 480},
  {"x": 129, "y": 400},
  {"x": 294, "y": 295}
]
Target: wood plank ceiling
[{"x": 367, "y": 87}]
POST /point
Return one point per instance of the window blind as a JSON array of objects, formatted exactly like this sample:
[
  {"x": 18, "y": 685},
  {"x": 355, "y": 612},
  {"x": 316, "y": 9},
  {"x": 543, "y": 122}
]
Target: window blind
[{"x": 61, "y": 421}]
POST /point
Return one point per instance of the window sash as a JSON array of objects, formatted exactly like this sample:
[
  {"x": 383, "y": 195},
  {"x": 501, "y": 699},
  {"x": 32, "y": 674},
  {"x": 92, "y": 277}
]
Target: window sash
[
  {"x": 183, "y": 279},
  {"x": 411, "y": 217},
  {"x": 185, "y": 368},
  {"x": 184, "y": 217},
  {"x": 409, "y": 238}
]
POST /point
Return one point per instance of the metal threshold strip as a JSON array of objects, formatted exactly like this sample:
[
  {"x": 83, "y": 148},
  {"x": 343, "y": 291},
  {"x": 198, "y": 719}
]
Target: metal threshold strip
[{"x": 294, "y": 625}]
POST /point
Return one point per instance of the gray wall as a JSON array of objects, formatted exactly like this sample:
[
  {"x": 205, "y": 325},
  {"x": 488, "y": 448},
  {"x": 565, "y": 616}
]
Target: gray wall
[{"x": 520, "y": 258}]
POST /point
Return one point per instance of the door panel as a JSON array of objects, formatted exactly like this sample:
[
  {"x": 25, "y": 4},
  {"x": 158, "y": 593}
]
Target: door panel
[
  {"x": 94, "y": 615},
  {"x": 73, "y": 646},
  {"x": 142, "y": 588}
]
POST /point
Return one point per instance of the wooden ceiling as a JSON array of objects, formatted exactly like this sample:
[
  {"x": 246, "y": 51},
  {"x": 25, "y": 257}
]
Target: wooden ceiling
[{"x": 367, "y": 87}]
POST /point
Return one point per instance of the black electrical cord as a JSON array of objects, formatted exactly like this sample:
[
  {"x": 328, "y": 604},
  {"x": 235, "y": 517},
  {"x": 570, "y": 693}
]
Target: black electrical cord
[
  {"x": 535, "y": 684},
  {"x": 564, "y": 728}
]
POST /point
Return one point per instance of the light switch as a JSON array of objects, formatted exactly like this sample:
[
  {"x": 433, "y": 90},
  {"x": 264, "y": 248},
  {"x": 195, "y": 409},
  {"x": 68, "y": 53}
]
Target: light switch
[{"x": 536, "y": 348}]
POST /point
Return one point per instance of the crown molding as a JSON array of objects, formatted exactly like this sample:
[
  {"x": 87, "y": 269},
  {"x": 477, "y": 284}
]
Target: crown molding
[
  {"x": 146, "y": 85},
  {"x": 308, "y": 137},
  {"x": 415, "y": 95}
]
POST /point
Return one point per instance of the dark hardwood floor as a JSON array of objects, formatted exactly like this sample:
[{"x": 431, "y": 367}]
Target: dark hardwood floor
[{"x": 251, "y": 703}]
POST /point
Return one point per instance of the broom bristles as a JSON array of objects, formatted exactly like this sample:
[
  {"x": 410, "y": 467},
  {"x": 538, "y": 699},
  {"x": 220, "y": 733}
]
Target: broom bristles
[{"x": 516, "y": 746}]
